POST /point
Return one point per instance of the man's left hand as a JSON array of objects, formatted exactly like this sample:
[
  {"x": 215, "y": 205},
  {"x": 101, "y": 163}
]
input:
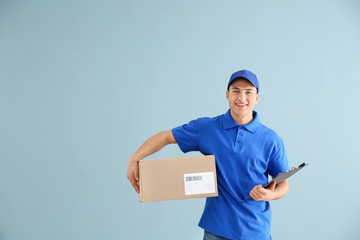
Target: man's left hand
[{"x": 259, "y": 193}]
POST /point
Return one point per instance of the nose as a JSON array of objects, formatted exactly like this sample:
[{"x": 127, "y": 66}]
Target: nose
[{"x": 241, "y": 96}]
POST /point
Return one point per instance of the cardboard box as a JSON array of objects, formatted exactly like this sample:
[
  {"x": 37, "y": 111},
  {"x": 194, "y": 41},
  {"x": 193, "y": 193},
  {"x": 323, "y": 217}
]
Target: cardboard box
[{"x": 177, "y": 178}]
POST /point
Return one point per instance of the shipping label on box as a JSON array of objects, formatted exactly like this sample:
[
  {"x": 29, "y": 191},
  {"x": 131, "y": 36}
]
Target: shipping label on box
[{"x": 199, "y": 183}]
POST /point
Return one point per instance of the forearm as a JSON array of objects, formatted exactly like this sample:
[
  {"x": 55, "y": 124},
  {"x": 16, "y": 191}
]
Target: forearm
[
  {"x": 280, "y": 190},
  {"x": 150, "y": 146},
  {"x": 153, "y": 144}
]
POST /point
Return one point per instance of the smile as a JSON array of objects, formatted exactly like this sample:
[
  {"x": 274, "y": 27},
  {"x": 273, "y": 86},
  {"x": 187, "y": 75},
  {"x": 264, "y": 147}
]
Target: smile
[{"x": 240, "y": 105}]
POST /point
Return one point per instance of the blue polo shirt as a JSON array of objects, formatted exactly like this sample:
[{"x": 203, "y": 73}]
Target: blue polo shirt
[{"x": 245, "y": 156}]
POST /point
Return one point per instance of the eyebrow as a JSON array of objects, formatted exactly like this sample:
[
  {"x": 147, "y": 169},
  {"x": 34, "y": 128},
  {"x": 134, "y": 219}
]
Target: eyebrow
[{"x": 247, "y": 89}]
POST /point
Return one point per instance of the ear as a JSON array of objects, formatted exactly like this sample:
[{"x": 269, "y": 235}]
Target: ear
[
  {"x": 257, "y": 97},
  {"x": 227, "y": 94}
]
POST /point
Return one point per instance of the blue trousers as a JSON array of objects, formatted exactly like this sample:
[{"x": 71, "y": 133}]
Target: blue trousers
[{"x": 210, "y": 236}]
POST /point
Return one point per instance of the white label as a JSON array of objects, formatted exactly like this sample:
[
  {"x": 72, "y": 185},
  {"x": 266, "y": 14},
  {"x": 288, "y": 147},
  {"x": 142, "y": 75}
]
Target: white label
[{"x": 199, "y": 183}]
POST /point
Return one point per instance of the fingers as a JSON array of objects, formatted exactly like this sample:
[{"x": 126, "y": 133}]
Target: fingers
[
  {"x": 134, "y": 181},
  {"x": 133, "y": 176},
  {"x": 256, "y": 193},
  {"x": 137, "y": 175},
  {"x": 135, "y": 186},
  {"x": 272, "y": 187},
  {"x": 259, "y": 193}
]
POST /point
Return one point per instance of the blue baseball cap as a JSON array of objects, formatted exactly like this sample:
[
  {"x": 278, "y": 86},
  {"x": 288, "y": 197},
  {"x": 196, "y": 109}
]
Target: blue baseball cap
[{"x": 247, "y": 75}]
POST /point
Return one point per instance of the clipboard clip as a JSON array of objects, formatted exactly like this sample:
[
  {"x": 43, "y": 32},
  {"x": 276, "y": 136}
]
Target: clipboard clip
[{"x": 302, "y": 165}]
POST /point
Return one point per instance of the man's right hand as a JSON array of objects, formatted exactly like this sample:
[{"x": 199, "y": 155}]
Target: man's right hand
[
  {"x": 133, "y": 174},
  {"x": 150, "y": 146}
]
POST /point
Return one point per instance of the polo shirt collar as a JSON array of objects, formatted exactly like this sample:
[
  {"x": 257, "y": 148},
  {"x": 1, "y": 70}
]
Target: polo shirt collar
[{"x": 229, "y": 122}]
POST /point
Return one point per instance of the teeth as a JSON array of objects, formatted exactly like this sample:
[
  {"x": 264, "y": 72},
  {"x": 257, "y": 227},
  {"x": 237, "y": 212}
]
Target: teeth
[{"x": 240, "y": 104}]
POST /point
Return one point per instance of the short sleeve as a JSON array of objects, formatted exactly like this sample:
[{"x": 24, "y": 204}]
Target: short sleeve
[
  {"x": 278, "y": 160},
  {"x": 186, "y": 136}
]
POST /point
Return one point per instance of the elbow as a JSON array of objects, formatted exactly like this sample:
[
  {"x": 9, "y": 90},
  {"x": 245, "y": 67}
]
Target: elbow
[
  {"x": 168, "y": 137},
  {"x": 286, "y": 187}
]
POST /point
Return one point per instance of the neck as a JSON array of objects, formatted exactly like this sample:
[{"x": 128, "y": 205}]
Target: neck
[{"x": 242, "y": 120}]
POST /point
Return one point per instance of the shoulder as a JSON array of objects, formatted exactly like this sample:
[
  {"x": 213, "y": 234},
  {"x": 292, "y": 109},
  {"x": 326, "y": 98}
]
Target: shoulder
[
  {"x": 210, "y": 120},
  {"x": 269, "y": 133}
]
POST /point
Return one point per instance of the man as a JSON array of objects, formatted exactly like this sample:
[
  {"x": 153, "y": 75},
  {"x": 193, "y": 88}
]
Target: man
[{"x": 246, "y": 152}]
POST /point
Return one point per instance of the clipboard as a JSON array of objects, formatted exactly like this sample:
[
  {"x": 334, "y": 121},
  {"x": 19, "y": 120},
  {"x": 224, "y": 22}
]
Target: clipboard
[{"x": 281, "y": 177}]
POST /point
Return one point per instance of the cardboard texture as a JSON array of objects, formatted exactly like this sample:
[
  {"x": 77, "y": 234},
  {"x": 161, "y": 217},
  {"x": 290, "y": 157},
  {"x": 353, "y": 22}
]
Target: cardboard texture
[{"x": 177, "y": 178}]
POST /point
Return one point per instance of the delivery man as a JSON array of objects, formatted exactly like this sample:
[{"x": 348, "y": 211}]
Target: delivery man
[{"x": 246, "y": 153}]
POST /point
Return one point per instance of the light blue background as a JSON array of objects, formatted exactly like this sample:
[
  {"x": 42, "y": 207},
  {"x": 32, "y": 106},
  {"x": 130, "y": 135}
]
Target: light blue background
[{"x": 84, "y": 83}]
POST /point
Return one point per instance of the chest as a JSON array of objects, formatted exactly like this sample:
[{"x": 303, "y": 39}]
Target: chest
[{"x": 237, "y": 150}]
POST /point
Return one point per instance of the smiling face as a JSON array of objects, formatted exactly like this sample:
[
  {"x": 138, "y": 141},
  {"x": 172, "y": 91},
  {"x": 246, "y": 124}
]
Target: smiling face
[{"x": 242, "y": 97}]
